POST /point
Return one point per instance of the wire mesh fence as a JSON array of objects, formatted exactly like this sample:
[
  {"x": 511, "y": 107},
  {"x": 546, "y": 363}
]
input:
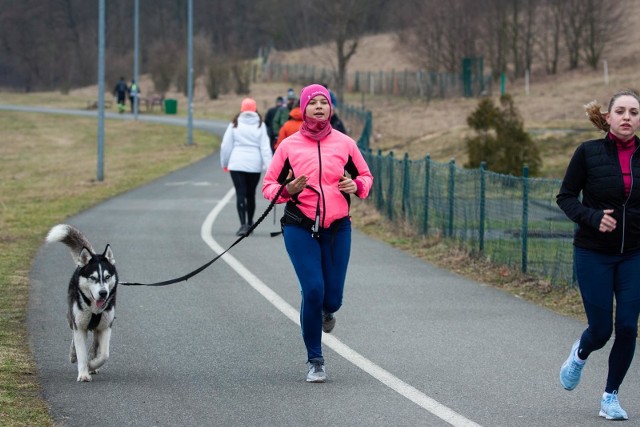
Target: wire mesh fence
[
  {"x": 411, "y": 84},
  {"x": 509, "y": 220}
]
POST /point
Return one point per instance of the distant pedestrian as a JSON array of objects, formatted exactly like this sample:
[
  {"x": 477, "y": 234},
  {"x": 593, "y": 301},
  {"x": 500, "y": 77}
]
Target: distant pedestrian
[
  {"x": 336, "y": 123},
  {"x": 120, "y": 92},
  {"x": 245, "y": 152},
  {"x": 600, "y": 192},
  {"x": 268, "y": 121},
  {"x": 282, "y": 113},
  {"x": 325, "y": 168},
  {"x": 291, "y": 126},
  {"x": 134, "y": 93}
]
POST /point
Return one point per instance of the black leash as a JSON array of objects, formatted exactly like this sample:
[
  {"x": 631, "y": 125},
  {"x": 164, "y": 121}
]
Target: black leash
[{"x": 199, "y": 269}]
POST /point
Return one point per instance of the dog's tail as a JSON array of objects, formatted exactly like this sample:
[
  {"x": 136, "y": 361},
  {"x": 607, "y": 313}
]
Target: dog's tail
[{"x": 73, "y": 238}]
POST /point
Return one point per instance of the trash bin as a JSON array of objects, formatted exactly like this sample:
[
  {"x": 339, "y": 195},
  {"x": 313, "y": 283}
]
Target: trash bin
[{"x": 170, "y": 106}]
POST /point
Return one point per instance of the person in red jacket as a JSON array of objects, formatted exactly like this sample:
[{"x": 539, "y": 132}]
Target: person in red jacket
[
  {"x": 322, "y": 168},
  {"x": 291, "y": 126}
]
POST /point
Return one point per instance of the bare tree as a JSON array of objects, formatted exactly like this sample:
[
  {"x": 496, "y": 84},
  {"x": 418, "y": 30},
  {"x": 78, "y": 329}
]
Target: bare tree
[
  {"x": 603, "y": 22},
  {"x": 530, "y": 26},
  {"x": 420, "y": 33},
  {"x": 549, "y": 35},
  {"x": 574, "y": 15},
  {"x": 437, "y": 35},
  {"x": 495, "y": 22},
  {"x": 343, "y": 22}
]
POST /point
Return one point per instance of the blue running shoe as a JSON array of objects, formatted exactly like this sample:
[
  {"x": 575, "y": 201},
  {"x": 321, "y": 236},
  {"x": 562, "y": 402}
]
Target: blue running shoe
[
  {"x": 610, "y": 407},
  {"x": 571, "y": 369}
]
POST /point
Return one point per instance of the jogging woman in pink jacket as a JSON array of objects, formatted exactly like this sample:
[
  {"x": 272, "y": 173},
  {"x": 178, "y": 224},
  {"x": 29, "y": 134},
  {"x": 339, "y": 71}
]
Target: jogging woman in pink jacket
[{"x": 324, "y": 168}]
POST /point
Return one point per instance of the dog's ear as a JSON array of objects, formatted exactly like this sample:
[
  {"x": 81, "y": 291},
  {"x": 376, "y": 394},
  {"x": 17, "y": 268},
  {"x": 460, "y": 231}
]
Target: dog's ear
[
  {"x": 84, "y": 257},
  {"x": 108, "y": 253}
]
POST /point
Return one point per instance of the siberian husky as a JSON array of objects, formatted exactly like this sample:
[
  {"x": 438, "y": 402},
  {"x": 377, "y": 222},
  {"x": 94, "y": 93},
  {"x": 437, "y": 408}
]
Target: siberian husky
[{"x": 91, "y": 298}]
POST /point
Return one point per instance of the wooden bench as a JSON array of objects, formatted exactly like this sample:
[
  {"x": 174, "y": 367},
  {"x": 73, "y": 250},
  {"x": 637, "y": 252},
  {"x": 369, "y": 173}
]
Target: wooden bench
[{"x": 152, "y": 101}]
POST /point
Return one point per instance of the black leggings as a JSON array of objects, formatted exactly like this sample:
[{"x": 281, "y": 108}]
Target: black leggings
[
  {"x": 601, "y": 278},
  {"x": 245, "y": 184}
]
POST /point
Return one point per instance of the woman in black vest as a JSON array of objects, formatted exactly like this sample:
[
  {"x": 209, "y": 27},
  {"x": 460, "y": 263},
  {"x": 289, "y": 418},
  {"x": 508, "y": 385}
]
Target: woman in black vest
[{"x": 606, "y": 243}]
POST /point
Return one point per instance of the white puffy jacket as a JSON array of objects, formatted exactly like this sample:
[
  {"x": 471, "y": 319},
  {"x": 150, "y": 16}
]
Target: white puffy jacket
[{"x": 246, "y": 148}]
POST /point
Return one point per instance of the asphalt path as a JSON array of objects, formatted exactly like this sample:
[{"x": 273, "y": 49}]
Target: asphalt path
[{"x": 414, "y": 345}]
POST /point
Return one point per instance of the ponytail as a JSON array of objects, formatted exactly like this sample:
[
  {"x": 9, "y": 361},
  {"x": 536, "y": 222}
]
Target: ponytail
[{"x": 596, "y": 117}]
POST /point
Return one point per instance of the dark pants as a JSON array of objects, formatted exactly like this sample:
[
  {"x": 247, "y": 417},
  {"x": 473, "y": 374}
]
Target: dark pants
[
  {"x": 602, "y": 277},
  {"x": 321, "y": 266},
  {"x": 245, "y": 184}
]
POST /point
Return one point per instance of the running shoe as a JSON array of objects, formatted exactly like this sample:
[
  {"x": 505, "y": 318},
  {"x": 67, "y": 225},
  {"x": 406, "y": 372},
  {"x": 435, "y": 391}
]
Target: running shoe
[
  {"x": 317, "y": 372},
  {"x": 610, "y": 407},
  {"x": 328, "y": 322},
  {"x": 244, "y": 229},
  {"x": 571, "y": 369}
]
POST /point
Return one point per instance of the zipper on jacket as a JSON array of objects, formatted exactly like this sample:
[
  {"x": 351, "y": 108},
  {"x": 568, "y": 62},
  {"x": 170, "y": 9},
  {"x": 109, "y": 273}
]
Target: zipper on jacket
[
  {"x": 624, "y": 205},
  {"x": 324, "y": 205}
]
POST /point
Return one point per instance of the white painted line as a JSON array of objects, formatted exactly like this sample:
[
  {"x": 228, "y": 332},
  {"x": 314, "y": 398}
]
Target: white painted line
[{"x": 385, "y": 377}]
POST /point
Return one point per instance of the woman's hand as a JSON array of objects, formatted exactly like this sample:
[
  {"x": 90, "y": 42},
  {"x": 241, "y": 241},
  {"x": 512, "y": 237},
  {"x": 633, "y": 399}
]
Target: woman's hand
[
  {"x": 297, "y": 185},
  {"x": 608, "y": 223},
  {"x": 347, "y": 185}
]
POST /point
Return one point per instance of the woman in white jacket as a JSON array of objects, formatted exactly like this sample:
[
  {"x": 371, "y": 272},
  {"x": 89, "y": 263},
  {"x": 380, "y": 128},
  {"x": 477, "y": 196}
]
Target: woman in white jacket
[{"x": 246, "y": 152}]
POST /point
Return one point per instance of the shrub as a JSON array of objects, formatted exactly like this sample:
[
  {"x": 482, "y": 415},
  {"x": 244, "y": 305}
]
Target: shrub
[{"x": 500, "y": 139}]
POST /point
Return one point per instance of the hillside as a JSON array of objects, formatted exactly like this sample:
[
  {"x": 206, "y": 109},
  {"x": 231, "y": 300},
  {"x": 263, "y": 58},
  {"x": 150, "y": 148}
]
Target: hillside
[{"x": 552, "y": 111}]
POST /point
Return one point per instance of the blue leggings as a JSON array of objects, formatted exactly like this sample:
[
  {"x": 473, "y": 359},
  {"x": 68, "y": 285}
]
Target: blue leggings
[
  {"x": 321, "y": 266},
  {"x": 601, "y": 277}
]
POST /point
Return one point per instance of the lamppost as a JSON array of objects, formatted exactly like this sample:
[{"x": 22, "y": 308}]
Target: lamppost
[
  {"x": 101, "y": 25},
  {"x": 190, "y": 74}
]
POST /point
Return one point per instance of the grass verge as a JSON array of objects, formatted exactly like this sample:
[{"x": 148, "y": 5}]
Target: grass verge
[{"x": 47, "y": 173}]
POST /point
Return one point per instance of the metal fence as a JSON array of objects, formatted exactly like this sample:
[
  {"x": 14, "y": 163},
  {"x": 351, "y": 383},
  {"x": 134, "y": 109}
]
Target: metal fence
[
  {"x": 406, "y": 83},
  {"x": 509, "y": 220}
]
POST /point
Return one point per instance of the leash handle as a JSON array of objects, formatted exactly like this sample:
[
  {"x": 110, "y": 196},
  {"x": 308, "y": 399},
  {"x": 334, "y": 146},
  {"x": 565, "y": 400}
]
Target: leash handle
[{"x": 188, "y": 276}]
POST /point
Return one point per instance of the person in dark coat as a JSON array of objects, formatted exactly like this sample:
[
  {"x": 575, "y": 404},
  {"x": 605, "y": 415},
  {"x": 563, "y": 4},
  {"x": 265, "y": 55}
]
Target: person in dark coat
[
  {"x": 120, "y": 92},
  {"x": 268, "y": 121},
  {"x": 600, "y": 192}
]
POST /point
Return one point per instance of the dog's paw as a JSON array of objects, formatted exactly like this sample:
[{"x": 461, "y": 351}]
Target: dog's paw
[
  {"x": 85, "y": 378},
  {"x": 93, "y": 371},
  {"x": 73, "y": 358}
]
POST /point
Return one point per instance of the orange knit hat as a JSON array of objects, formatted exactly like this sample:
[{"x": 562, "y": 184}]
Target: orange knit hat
[{"x": 248, "y": 104}]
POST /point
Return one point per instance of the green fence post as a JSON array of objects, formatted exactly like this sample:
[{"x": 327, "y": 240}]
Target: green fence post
[
  {"x": 391, "y": 186},
  {"x": 525, "y": 215},
  {"x": 425, "y": 215},
  {"x": 406, "y": 184},
  {"x": 452, "y": 181},
  {"x": 483, "y": 190}
]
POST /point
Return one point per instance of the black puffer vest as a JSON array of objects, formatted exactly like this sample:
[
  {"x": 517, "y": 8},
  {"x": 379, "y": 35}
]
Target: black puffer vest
[{"x": 595, "y": 171}]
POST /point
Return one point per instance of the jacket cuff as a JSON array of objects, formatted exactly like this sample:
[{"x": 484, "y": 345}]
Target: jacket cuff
[{"x": 359, "y": 185}]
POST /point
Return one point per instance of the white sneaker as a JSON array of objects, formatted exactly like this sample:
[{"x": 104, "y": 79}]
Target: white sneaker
[{"x": 317, "y": 372}]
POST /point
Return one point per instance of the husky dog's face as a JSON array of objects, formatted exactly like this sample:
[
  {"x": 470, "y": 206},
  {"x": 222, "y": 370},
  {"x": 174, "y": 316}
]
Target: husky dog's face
[{"x": 98, "y": 276}]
